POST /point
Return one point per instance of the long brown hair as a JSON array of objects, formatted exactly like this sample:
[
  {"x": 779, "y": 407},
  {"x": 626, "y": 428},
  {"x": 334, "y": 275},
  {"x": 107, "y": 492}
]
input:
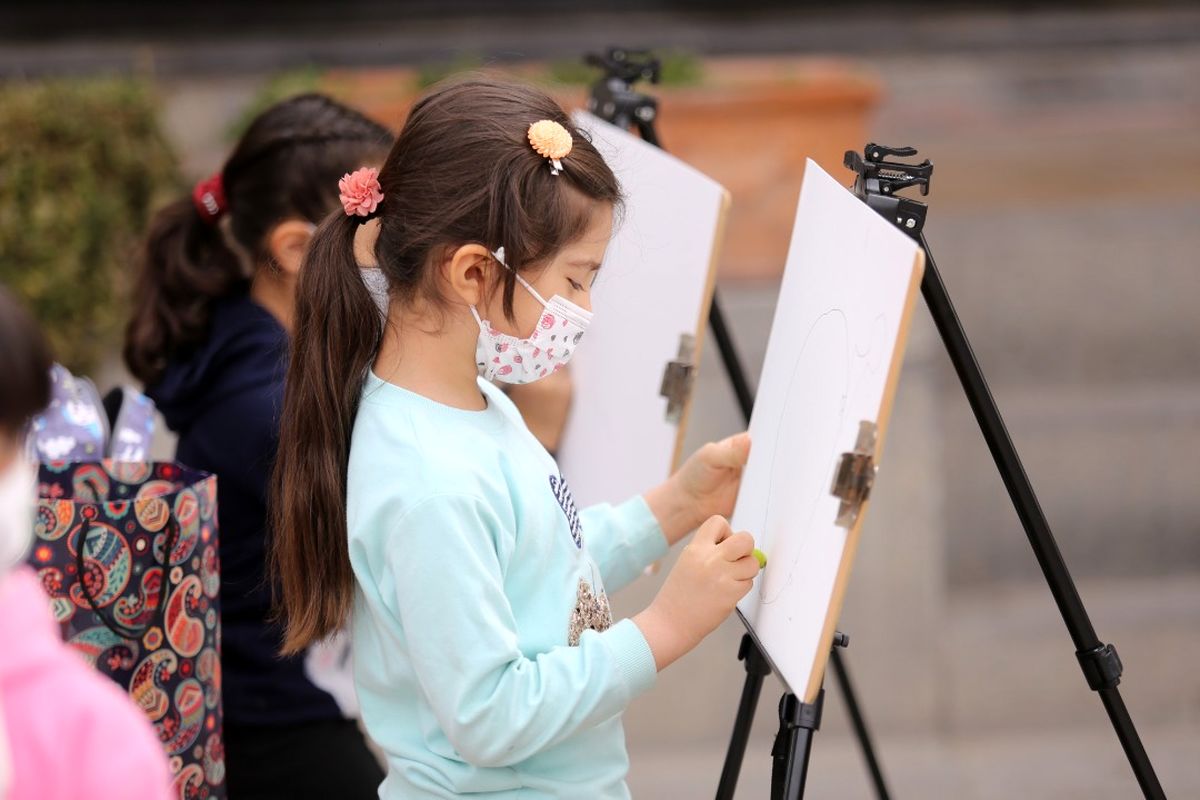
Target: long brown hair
[
  {"x": 285, "y": 166},
  {"x": 25, "y": 365},
  {"x": 462, "y": 171}
]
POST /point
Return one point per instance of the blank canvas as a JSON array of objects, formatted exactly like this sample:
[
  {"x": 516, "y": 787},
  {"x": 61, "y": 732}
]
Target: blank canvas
[{"x": 655, "y": 284}]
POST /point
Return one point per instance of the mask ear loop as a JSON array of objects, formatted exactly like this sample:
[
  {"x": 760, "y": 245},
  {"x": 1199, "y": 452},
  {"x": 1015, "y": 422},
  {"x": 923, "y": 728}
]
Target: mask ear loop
[
  {"x": 584, "y": 316},
  {"x": 498, "y": 254}
]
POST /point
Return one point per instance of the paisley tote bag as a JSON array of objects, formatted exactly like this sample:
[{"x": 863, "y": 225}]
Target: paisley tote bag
[{"x": 127, "y": 552}]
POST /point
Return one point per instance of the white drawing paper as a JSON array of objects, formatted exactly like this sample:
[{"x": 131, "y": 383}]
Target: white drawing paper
[{"x": 837, "y": 336}]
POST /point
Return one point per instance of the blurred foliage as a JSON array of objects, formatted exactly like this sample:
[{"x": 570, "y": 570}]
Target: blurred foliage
[
  {"x": 432, "y": 73},
  {"x": 279, "y": 86},
  {"x": 82, "y": 164},
  {"x": 679, "y": 68}
]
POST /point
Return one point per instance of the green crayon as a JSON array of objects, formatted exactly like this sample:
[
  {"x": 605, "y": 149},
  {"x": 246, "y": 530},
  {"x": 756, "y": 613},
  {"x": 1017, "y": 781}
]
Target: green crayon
[{"x": 760, "y": 557}]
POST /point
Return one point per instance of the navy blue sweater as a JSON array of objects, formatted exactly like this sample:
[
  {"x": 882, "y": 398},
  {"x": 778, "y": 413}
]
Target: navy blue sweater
[{"x": 224, "y": 401}]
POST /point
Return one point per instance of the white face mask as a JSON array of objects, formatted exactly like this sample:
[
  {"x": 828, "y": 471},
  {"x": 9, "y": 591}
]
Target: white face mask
[
  {"x": 18, "y": 495},
  {"x": 510, "y": 359}
]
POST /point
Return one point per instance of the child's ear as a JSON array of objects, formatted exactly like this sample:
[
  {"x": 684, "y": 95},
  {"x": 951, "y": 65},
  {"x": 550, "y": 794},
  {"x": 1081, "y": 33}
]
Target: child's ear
[
  {"x": 288, "y": 242},
  {"x": 468, "y": 272}
]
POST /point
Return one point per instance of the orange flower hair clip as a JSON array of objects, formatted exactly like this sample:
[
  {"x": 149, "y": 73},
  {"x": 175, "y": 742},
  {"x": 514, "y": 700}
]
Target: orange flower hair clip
[{"x": 550, "y": 140}]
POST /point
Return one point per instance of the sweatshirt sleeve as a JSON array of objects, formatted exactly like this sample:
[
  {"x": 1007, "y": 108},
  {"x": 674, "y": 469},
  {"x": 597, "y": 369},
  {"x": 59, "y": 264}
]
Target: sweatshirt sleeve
[
  {"x": 121, "y": 748},
  {"x": 496, "y": 706},
  {"x": 623, "y": 540}
]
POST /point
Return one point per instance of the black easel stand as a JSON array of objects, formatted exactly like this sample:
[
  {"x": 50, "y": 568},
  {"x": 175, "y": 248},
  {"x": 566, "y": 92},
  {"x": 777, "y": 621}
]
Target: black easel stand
[
  {"x": 878, "y": 181},
  {"x": 614, "y": 100}
]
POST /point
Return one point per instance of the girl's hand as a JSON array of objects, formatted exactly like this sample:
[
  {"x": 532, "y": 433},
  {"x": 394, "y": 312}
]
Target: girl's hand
[
  {"x": 706, "y": 485},
  {"x": 709, "y": 480},
  {"x": 713, "y": 573}
]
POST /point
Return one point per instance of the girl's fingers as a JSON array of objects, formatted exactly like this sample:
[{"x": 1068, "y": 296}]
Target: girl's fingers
[
  {"x": 714, "y": 531},
  {"x": 746, "y": 568},
  {"x": 729, "y": 453},
  {"x": 737, "y": 546}
]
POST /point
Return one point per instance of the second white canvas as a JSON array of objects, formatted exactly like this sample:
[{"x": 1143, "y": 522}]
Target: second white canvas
[{"x": 653, "y": 287}]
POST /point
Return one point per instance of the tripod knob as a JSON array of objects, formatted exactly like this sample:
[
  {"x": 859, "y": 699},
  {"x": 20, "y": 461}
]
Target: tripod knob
[{"x": 878, "y": 152}]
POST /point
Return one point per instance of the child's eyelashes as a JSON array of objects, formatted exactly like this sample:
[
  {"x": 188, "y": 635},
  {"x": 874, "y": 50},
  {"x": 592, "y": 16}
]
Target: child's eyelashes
[{"x": 576, "y": 285}]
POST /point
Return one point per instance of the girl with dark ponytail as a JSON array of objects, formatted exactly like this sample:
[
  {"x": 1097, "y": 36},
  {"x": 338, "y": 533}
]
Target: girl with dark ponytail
[
  {"x": 212, "y": 310},
  {"x": 410, "y": 497}
]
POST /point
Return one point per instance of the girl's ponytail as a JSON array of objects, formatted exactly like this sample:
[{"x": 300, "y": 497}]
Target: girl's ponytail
[
  {"x": 185, "y": 266},
  {"x": 336, "y": 337}
]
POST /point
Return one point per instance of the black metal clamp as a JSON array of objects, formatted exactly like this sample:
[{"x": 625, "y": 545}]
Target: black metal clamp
[{"x": 1101, "y": 666}]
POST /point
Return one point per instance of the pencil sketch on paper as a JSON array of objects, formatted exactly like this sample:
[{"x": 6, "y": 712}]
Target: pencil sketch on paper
[{"x": 834, "y": 350}]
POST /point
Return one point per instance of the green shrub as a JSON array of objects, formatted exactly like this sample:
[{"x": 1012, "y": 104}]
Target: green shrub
[{"x": 82, "y": 165}]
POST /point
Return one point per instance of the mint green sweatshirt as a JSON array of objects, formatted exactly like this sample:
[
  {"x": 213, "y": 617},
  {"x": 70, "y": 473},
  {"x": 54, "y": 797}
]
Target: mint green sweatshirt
[{"x": 486, "y": 659}]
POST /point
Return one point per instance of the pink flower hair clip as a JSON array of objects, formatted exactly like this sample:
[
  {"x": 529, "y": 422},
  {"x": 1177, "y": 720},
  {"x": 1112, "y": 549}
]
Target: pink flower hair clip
[
  {"x": 550, "y": 140},
  {"x": 360, "y": 192}
]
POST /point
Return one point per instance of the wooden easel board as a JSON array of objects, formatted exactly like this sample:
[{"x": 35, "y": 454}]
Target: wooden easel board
[
  {"x": 833, "y": 360},
  {"x": 656, "y": 284}
]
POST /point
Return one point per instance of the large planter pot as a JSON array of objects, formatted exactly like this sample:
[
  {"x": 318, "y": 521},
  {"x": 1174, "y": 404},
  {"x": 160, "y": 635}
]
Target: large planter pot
[
  {"x": 750, "y": 125},
  {"x": 385, "y": 94}
]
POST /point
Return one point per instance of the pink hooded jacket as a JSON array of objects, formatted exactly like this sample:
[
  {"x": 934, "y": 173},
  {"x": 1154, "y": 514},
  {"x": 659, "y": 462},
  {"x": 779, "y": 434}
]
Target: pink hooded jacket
[{"x": 70, "y": 731}]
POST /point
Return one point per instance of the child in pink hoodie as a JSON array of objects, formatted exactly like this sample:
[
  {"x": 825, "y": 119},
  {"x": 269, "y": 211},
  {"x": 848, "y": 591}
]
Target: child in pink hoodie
[{"x": 65, "y": 730}]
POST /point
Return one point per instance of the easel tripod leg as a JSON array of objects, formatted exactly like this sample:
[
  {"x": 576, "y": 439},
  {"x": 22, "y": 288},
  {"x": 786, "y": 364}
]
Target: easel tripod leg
[
  {"x": 859, "y": 724},
  {"x": 1100, "y": 663},
  {"x": 757, "y": 668},
  {"x": 877, "y": 184},
  {"x": 730, "y": 358}
]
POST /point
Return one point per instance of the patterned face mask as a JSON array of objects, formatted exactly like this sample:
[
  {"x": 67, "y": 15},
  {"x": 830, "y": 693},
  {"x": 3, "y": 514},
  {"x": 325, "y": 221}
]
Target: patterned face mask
[{"x": 510, "y": 359}]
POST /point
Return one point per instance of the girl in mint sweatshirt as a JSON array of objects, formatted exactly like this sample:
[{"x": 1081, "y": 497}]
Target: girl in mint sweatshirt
[{"x": 410, "y": 496}]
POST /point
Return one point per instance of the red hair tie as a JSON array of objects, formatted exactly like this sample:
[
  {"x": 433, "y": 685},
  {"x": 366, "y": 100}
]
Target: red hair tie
[{"x": 209, "y": 198}]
